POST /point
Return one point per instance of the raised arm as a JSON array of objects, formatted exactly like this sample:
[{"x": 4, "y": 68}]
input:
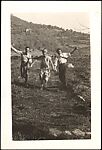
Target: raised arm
[
  {"x": 15, "y": 50},
  {"x": 66, "y": 55},
  {"x": 73, "y": 50}
]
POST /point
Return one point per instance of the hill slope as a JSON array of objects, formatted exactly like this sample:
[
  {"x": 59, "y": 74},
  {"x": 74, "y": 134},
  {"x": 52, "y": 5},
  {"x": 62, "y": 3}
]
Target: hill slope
[
  {"x": 52, "y": 113},
  {"x": 25, "y": 33}
]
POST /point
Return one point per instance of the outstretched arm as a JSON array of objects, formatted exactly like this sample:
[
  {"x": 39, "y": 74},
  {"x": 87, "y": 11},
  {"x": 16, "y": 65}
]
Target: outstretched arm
[
  {"x": 33, "y": 62},
  {"x": 35, "y": 59},
  {"x": 15, "y": 50}
]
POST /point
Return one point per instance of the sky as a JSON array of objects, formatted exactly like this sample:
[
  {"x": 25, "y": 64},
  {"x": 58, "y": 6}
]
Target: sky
[{"x": 78, "y": 21}]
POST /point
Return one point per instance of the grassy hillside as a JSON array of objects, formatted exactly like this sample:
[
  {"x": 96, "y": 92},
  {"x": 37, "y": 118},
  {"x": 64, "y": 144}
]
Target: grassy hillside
[
  {"x": 47, "y": 36},
  {"x": 53, "y": 113}
]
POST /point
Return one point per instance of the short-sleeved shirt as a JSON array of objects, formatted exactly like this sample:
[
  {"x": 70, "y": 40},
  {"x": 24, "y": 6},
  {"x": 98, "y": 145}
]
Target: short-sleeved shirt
[{"x": 61, "y": 59}]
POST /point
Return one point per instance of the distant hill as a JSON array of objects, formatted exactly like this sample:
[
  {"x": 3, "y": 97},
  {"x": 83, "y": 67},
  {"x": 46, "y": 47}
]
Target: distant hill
[{"x": 37, "y": 36}]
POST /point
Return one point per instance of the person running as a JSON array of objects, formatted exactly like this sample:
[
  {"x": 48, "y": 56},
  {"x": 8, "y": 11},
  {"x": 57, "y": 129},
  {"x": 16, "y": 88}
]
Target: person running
[
  {"x": 61, "y": 62},
  {"x": 44, "y": 74},
  {"x": 26, "y": 61}
]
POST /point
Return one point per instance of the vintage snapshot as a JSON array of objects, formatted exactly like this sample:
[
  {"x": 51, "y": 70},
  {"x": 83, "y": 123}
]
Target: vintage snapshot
[
  {"x": 50, "y": 81},
  {"x": 50, "y": 76}
]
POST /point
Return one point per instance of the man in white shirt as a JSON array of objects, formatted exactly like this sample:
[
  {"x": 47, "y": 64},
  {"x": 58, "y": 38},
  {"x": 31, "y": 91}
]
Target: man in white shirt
[
  {"x": 61, "y": 62},
  {"x": 26, "y": 61},
  {"x": 44, "y": 67}
]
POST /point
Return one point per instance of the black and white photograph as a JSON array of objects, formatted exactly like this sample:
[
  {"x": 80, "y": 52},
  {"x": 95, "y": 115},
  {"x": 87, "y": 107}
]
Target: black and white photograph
[
  {"x": 50, "y": 76},
  {"x": 50, "y": 68}
]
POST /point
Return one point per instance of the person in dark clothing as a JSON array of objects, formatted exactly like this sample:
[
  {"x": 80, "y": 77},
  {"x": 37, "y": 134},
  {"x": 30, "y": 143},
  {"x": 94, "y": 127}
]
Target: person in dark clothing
[{"x": 61, "y": 62}]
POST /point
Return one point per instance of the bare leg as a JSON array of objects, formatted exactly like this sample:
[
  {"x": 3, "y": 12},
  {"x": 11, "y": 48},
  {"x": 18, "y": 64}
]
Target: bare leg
[
  {"x": 42, "y": 84},
  {"x": 46, "y": 81}
]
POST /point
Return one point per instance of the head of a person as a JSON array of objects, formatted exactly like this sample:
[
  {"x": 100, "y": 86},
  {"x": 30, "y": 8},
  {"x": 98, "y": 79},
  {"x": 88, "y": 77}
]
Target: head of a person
[
  {"x": 44, "y": 52},
  {"x": 27, "y": 49},
  {"x": 59, "y": 51}
]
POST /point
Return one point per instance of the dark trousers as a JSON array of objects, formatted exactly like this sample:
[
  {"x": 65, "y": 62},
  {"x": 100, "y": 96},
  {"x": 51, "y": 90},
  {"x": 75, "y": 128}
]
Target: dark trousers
[
  {"x": 24, "y": 71},
  {"x": 62, "y": 73}
]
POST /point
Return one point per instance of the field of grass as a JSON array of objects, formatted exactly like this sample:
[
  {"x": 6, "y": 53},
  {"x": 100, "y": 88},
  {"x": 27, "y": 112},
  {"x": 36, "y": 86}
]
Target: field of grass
[{"x": 53, "y": 113}]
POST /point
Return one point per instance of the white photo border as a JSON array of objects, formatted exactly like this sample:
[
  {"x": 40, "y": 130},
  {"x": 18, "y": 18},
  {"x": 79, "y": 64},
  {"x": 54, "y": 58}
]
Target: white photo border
[{"x": 94, "y": 9}]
